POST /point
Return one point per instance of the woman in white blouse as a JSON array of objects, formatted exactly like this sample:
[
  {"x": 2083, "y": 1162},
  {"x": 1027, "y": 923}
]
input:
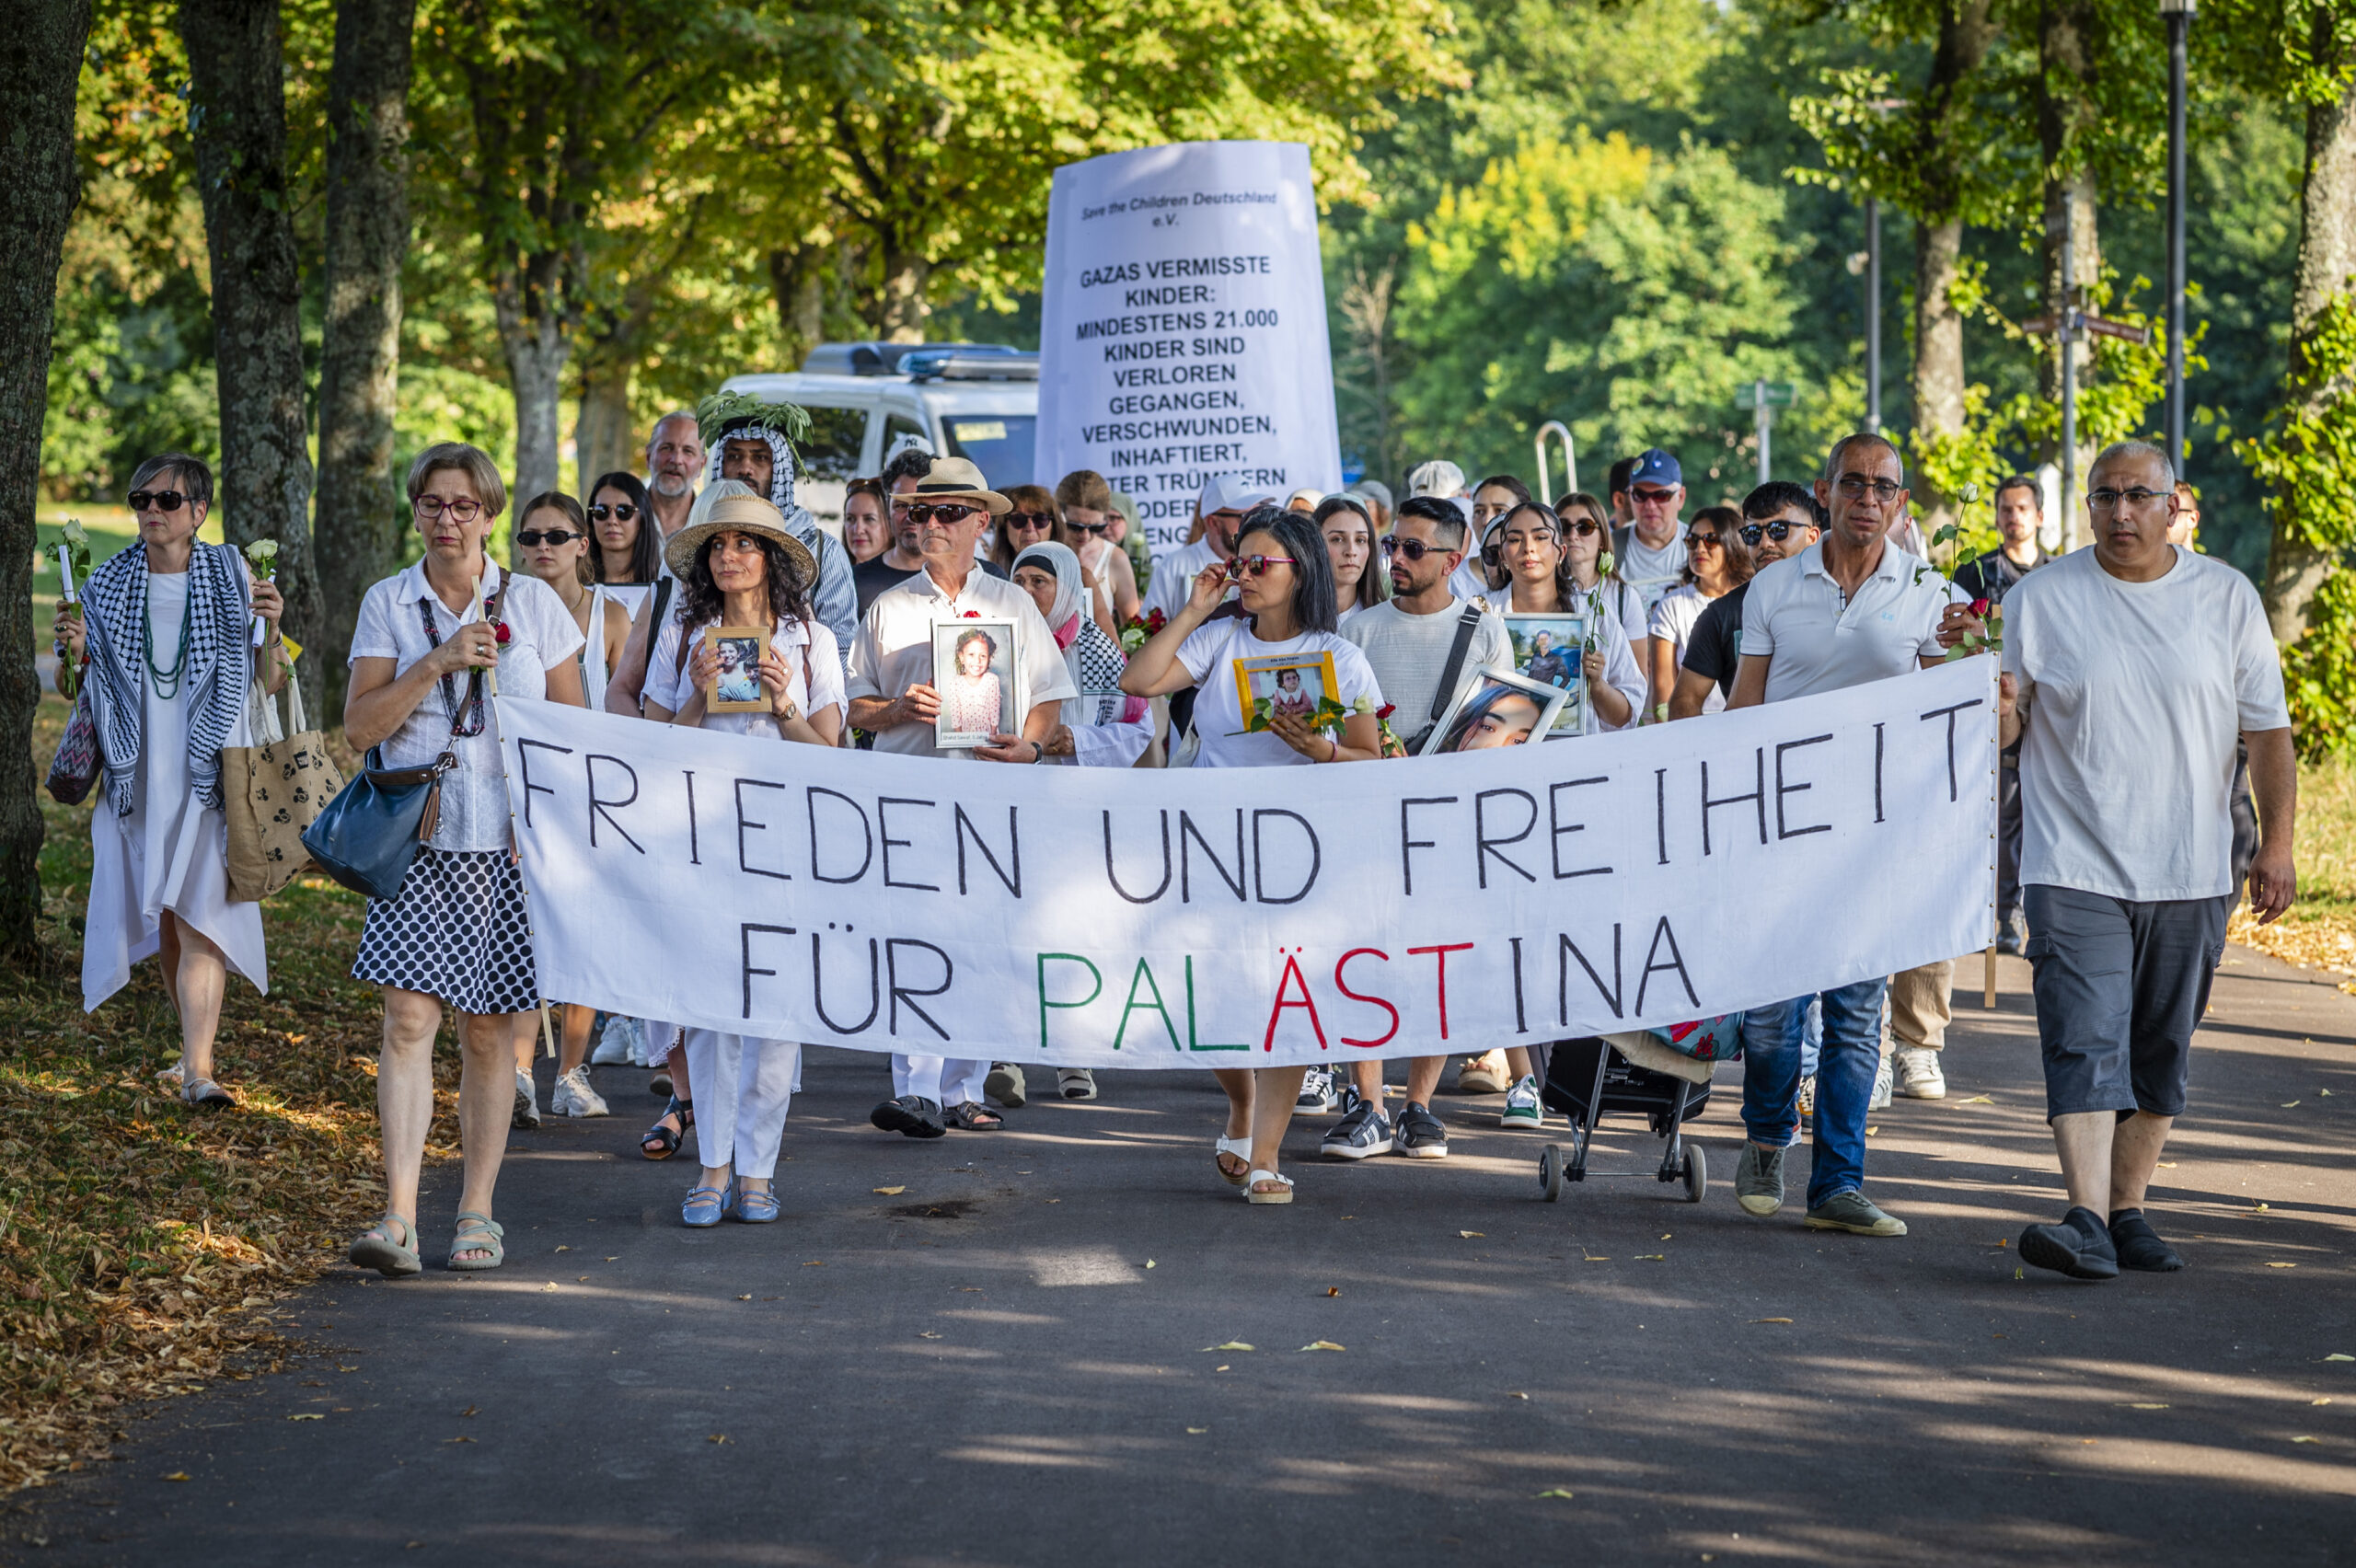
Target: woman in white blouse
[
  {"x": 740, "y": 567},
  {"x": 457, "y": 933},
  {"x": 1716, "y": 564}
]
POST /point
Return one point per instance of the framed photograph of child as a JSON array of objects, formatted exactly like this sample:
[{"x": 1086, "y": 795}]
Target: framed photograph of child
[
  {"x": 979, "y": 677},
  {"x": 1498, "y": 709},
  {"x": 1550, "y": 649},
  {"x": 737, "y": 688},
  {"x": 1300, "y": 684}
]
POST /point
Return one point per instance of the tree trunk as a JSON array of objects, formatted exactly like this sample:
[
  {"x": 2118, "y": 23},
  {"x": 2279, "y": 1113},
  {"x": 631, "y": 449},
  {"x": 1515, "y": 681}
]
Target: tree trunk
[
  {"x": 2295, "y": 567},
  {"x": 905, "y": 307},
  {"x": 359, "y": 515},
  {"x": 537, "y": 346},
  {"x": 238, "y": 120},
  {"x": 40, "y": 60},
  {"x": 1937, "y": 382},
  {"x": 603, "y": 440},
  {"x": 798, "y": 285},
  {"x": 2064, "y": 111}
]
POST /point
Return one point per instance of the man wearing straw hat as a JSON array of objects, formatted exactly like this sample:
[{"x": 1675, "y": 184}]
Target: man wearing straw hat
[{"x": 894, "y": 696}]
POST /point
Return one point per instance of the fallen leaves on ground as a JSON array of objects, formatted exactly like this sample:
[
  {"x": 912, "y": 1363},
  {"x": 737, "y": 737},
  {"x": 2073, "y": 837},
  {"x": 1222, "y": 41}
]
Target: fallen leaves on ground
[
  {"x": 1771, "y": 1319},
  {"x": 1554, "y": 1492},
  {"x": 1469, "y": 1235},
  {"x": 1231, "y": 1345},
  {"x": 1322, "y": 1344},
  {"x": 890, "y": 1192}
]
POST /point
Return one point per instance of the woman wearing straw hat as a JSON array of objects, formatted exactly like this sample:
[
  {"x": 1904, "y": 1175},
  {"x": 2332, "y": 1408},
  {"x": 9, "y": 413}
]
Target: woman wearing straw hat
[
  {"x": 740, "y": 567},
  {"x": 457, "y": 933}
]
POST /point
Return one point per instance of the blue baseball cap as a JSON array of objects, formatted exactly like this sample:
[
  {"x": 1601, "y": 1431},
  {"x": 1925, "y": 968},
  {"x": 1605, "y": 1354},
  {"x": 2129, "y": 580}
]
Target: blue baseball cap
[{"x": 1657, "y": 467}]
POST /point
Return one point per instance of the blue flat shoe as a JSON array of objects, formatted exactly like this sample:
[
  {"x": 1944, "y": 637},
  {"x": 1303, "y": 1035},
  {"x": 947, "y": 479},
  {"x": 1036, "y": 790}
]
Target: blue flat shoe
[
  {"x": 707, "y": 1207},
  {"x": 756, "y": 1208}
]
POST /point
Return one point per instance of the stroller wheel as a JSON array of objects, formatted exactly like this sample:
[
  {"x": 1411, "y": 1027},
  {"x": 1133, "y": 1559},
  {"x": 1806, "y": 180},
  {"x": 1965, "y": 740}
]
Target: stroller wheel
[
  {"x": 1550, "y": 1173},
  {"x": 1697, "y": 1173}
]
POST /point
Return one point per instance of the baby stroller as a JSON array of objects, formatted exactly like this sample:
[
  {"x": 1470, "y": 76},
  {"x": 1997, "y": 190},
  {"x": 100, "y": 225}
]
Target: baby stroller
[{"x": 1636, "y": 1074}]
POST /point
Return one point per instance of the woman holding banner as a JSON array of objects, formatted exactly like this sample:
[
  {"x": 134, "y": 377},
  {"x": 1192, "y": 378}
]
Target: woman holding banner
[
  {"x": 457, "y": 934},
  {"x": 741, "y": 566},
  {"x": 1286, "y": 581}
]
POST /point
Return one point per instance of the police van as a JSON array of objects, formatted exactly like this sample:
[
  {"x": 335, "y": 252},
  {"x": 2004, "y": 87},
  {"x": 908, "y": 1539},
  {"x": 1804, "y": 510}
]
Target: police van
[{"x": 978, "y": 402}]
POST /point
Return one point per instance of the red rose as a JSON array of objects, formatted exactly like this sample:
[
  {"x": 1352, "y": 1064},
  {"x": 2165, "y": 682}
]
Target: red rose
[
  {"x": 499, "y": 630},
  {"x": 973, "y": 614},
  {"x": 1386, "y": 710},
  {"x": 1980, "y": 606}
]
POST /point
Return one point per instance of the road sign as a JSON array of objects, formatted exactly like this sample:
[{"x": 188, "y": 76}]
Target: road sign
[{"x": 1773, "y": 394}]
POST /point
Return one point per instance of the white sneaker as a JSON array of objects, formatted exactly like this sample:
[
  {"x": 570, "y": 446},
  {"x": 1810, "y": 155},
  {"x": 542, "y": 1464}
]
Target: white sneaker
[
  {"x": 527, "y": 1106},
  {"x": 1919, "y": 1077},
  {"x": 574, "y": 1097},
  {"x": 617, "y": 1041},
  {"x": 1882, "y": 1081},
  {"x": 1523, "y": 1107}
]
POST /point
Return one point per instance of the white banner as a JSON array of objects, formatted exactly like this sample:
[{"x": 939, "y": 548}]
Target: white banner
[
  {"x": 1182, "y": 329},
  {"x": 1131, "y": 918}
]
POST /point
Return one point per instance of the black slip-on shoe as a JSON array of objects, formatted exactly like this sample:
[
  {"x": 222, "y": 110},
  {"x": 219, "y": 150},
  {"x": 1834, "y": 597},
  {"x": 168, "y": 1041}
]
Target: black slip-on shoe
[{"x": 2079, "y": 1247}]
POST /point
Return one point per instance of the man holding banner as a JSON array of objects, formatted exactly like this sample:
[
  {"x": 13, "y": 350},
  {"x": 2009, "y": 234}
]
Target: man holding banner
[{"x": 1849, "y": 609}]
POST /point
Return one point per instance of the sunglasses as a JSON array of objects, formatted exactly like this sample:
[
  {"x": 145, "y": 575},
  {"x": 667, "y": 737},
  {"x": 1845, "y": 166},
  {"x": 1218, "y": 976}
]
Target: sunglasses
[
  {"x": 622, "y": 510},
  {"x": 1652, "y": 497},
  {"x": 1089, "y": 527},
  {"x": 162, "y": 501},
  {"x": 532, "y": 537},
  {"x": 1028, "y": 520},
  {"x": 1580, "y": 527},
  {"x": 1778, "y": 531},
  {"x": 432, "y": 506},
  {"x": 1413, "y": 550},
  {"x": 1694, "y": 540},
  {"x": 1256, "y": 565},
  {"x": 947, "y": 515}
]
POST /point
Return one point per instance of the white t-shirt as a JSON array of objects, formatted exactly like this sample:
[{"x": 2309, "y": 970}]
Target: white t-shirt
[
  {"x": 894, "y": 650},
  {"x": 815, "y": 686},
  {"x": 541, "y": 635},
  {"x": 1796, "y": 615},
  {"x": 1652, "y": 572},
  {"x": 1408, "y": 654},
  {"x": 1173, "y": 578},
  {"x": 1209, "y": 654},
  {"x": 1673, "y": 618},
  {"x": 2135, "y": 693}
]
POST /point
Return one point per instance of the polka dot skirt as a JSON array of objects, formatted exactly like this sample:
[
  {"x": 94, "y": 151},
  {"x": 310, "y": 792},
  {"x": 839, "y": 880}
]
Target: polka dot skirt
[{"x": 458, "y": 931}]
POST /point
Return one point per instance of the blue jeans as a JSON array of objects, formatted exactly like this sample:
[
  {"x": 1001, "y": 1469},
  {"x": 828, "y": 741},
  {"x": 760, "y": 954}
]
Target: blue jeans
[{"x": 1772, "y": 1042}]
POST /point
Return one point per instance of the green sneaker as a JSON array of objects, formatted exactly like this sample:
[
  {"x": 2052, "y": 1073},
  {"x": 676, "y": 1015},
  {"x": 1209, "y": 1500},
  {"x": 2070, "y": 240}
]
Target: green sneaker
[
  {"x": 1853, "y": 1212},
  {"x": 1759, "y": 1180},
  {"x": 1522, "y": 1106}
]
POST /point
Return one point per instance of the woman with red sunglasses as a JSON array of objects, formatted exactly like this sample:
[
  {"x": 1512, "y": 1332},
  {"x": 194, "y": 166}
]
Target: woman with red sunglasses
[{"x": 1285, "y": 599}]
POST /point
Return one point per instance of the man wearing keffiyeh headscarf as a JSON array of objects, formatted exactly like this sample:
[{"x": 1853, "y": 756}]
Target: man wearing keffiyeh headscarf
[{"x": 752, "y": 440}]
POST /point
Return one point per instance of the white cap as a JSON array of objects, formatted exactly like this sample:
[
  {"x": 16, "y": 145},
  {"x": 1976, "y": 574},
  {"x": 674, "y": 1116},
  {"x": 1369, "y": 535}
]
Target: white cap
[
  {"x": 1230, "y": 493},
  {"x": 1440, "y": 476}
]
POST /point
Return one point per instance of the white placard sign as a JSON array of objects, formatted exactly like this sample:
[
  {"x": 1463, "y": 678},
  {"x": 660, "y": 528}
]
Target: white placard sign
[
  {"x": 1183, "y": 327},
  {"x": 1215, "y": 916}
]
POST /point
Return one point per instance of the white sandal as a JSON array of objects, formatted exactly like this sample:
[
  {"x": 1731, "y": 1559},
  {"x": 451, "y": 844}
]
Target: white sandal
[
  {"x": 1283, "y": 1194},
  {"x": 1240, "y": 1147}
]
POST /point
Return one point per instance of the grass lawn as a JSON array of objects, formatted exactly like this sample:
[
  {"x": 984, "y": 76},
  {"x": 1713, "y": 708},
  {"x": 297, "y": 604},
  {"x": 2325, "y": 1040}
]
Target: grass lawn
[
  {"x": 142, "y": 1244},
  {"x": 2320, "y": 929}
]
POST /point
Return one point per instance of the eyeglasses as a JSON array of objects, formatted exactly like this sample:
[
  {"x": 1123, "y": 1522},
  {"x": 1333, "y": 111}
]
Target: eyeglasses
[
  {"x": 2100, "y": 500},
  {"x": 1854, "y": 487},
  {"x": 1652, "y": 497},
  {"x": 1778, "y": 531},
  {"x": 947, "y": 513},
  {"x": 622, "y": 510},
  {"x": 1029, "y": 520},
  {"x": 466, "y": 509},
  {"x": 532, "y": 537},
  {"x": 1694, "y": 539},
  {"x": 162, "y": 501},
  {"x": 1256, "y": 565},
  {"x": 1413, "y": 550}
]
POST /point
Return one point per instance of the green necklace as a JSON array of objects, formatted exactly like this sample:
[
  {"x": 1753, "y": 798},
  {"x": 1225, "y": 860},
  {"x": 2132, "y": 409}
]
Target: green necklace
[{"x": 167, "y": 681}]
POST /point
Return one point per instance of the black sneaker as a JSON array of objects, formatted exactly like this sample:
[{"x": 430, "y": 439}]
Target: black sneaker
[
  {"x": 2080, "y": 1247},
  {"x": 1422, "y": 1136},
  {"x": 1363, "y": 1132},
  {"x": 2139, "y": 1246},
  {"x": 912, "y": 1115}
]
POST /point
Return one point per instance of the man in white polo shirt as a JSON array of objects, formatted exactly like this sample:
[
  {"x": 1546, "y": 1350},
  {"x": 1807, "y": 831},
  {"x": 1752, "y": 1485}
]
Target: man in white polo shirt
[
  {"x": 2130, "y": 670},
  {"x": 892, "y": 696},
  {"x": 1852, "y": 608}
]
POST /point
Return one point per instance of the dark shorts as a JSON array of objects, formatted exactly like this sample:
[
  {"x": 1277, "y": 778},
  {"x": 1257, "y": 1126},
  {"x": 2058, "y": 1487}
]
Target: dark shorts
[{"x": 2120, "y": 986}]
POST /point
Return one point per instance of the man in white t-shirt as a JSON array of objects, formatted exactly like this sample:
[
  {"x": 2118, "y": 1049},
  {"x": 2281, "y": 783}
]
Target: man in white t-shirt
[
  {"x": 2130, "y": 670},
  {"x": 1650, "y": 552},
  {"x": 1848, "y": 609},
  {"x": 894, "y": 696},
  {"x": 1221, "y": 507},
  {"x": 1425, "y": 645}
]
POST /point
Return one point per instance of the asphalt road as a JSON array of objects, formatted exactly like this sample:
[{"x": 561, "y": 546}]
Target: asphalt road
[{"x": 1033, "y": 1354}]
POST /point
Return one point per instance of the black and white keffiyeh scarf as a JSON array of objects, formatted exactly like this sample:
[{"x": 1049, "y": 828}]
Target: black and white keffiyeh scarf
[{"x": 219, "y": 674}]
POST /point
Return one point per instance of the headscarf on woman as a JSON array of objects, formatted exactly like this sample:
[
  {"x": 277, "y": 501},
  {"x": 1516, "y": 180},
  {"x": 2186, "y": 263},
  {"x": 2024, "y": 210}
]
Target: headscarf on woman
[{"x": 1093, "y": 658}]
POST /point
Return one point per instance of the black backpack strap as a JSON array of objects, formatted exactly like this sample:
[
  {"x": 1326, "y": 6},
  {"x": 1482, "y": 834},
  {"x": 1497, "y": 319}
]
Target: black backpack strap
[{"x": 1466, "y": 625}]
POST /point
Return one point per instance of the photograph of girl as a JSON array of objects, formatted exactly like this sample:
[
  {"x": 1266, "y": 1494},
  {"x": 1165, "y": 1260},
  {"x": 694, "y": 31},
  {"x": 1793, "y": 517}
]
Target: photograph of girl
[
  {"x": 1500, "y": 709},
  {"x": 1289, "y": 685},
  {"x": 973, "y": 661}
]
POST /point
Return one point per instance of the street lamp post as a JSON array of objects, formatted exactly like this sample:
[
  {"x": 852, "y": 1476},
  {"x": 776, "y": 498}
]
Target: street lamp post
[
  {"x": 2179, "y": 16},
  {"x": 1872, "y": 313}
]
